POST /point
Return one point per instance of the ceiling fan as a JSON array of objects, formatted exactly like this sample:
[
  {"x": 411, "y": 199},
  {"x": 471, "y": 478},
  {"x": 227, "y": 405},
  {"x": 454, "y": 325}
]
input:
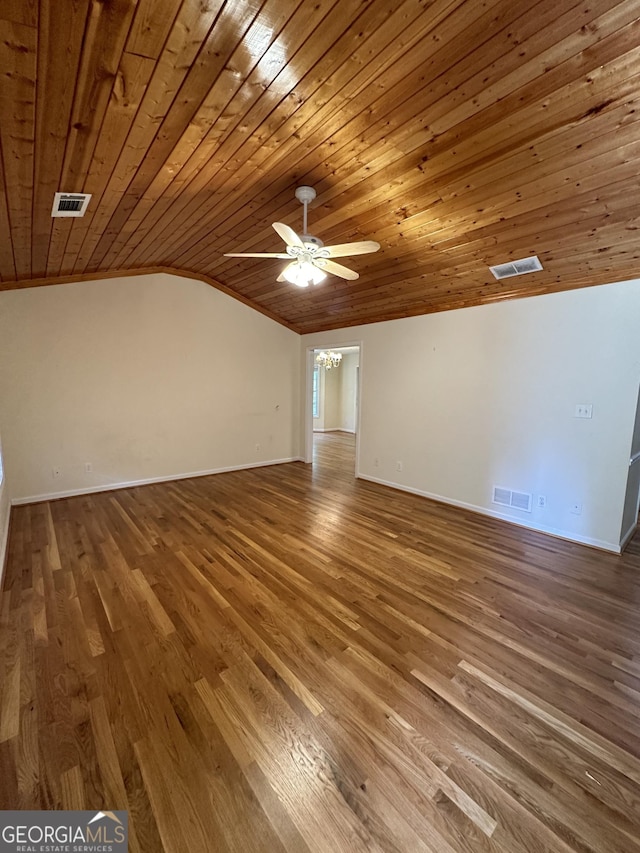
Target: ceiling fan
[{"x": 309, "y": 259}]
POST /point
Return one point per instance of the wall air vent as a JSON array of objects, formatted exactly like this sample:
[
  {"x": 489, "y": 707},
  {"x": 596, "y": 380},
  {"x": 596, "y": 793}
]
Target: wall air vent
[
  {"x": 521, "y": 267},
  {"x": 510, "y": 498},
  {"x": 70, "y": 204}
]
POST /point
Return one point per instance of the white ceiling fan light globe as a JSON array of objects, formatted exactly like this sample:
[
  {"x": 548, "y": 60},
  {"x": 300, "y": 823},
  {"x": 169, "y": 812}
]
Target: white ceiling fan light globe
[
  {"x": 316, "y": 276},
  {"x": 315, "y": 273},
  {"x": 302, "y": 274},
  {"x": 292, "y": 274}
]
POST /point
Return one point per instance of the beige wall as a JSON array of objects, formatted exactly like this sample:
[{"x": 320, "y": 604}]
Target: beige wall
[
  {"x": 348, "y": 391},
  {"x": 485, "y": 396},
  {"x": 158, "y": 376},
  {"x": 338, "y": 388},
  {"x": 147, "y": 377},
  {"x": 332, "y": 411}
]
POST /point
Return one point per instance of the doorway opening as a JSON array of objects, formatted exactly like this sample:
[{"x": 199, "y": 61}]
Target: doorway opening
[{"x": 332, "y": 411}]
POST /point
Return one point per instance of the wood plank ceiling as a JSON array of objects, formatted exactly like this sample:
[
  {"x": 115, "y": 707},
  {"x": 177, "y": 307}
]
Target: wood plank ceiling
[{"x": 456, "y": 133}]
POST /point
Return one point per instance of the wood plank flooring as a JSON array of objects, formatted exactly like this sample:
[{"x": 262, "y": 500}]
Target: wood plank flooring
[{"x": 287, "y": 659}]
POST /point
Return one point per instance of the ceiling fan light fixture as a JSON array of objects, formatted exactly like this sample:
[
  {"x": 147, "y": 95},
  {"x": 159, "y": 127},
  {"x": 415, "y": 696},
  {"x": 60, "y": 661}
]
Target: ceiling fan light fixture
[
  {"x": 303, "y": 273},
  {"x": 311, "y": 261}
]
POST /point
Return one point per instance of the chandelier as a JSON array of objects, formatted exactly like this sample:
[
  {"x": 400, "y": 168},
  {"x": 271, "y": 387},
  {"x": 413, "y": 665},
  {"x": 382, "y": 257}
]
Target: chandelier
[{"x": 329, "y": 359}]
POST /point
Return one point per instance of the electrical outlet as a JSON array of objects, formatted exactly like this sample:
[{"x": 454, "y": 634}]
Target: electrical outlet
[
  {"x": 257, "y": 448},
  {"x": 376, "y": 462},
  {"x": 56, "y": 472},
  {"x": 88, "y": 467},
  {"x": 576, "y": 508},
  {"x": 398, "y": 466},
  {"x": 542, "y": 501},
  {"x": 583, "y": 410}
]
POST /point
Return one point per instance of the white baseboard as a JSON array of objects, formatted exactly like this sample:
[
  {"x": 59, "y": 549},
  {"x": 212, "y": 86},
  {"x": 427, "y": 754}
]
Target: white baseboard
[
  {"x": 539, "y": 528},
  {"x": 107, "y": 487},
  {"x": 167, "y": 478},
  {"x": 4, "y": 541}
]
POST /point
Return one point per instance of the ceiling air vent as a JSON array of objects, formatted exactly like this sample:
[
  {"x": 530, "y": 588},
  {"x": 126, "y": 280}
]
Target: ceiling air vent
[
  {"x": 507, "y": 497},
  {"x": 70, "y": 204},
  {"x": 521, "y": 267}
]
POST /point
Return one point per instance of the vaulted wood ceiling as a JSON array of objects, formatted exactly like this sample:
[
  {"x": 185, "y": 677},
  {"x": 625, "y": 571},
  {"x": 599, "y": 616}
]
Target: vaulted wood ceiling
[{"x": 456, "y": 133}]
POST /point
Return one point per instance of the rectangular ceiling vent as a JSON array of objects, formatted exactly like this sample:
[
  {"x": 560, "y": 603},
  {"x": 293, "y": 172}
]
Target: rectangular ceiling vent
[
  {"x": 70, "y": 204},
  {"x": 521, "y": 267},
  {"x": 510, "y": 498}
]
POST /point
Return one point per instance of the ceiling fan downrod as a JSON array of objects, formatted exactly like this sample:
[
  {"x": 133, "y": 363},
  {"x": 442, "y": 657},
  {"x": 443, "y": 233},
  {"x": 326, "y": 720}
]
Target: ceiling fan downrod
[{"x": 305, "y": 196}]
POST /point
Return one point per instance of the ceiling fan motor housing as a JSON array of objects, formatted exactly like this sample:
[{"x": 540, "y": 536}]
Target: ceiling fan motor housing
[
  {"x": 314, "y": 241},
  {"x": 305, "y": 195}
]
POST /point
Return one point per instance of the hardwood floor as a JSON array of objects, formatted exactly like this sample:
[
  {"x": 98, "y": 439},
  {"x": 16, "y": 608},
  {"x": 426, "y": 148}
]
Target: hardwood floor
[{"x": 287, "y": 659}]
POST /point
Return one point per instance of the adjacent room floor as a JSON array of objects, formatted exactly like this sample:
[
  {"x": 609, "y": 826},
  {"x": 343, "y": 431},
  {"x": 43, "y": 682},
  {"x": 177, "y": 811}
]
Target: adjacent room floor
[{"x": 288, "y": 659}]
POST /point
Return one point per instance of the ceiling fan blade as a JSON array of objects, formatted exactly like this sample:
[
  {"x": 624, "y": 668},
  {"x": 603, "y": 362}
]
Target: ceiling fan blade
[
  {"x": 288, "y": 235},
  {"x": 343, "y": 249},
  {"x": 337, "y": 269},
  {"x": 279, "y": 255}
]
